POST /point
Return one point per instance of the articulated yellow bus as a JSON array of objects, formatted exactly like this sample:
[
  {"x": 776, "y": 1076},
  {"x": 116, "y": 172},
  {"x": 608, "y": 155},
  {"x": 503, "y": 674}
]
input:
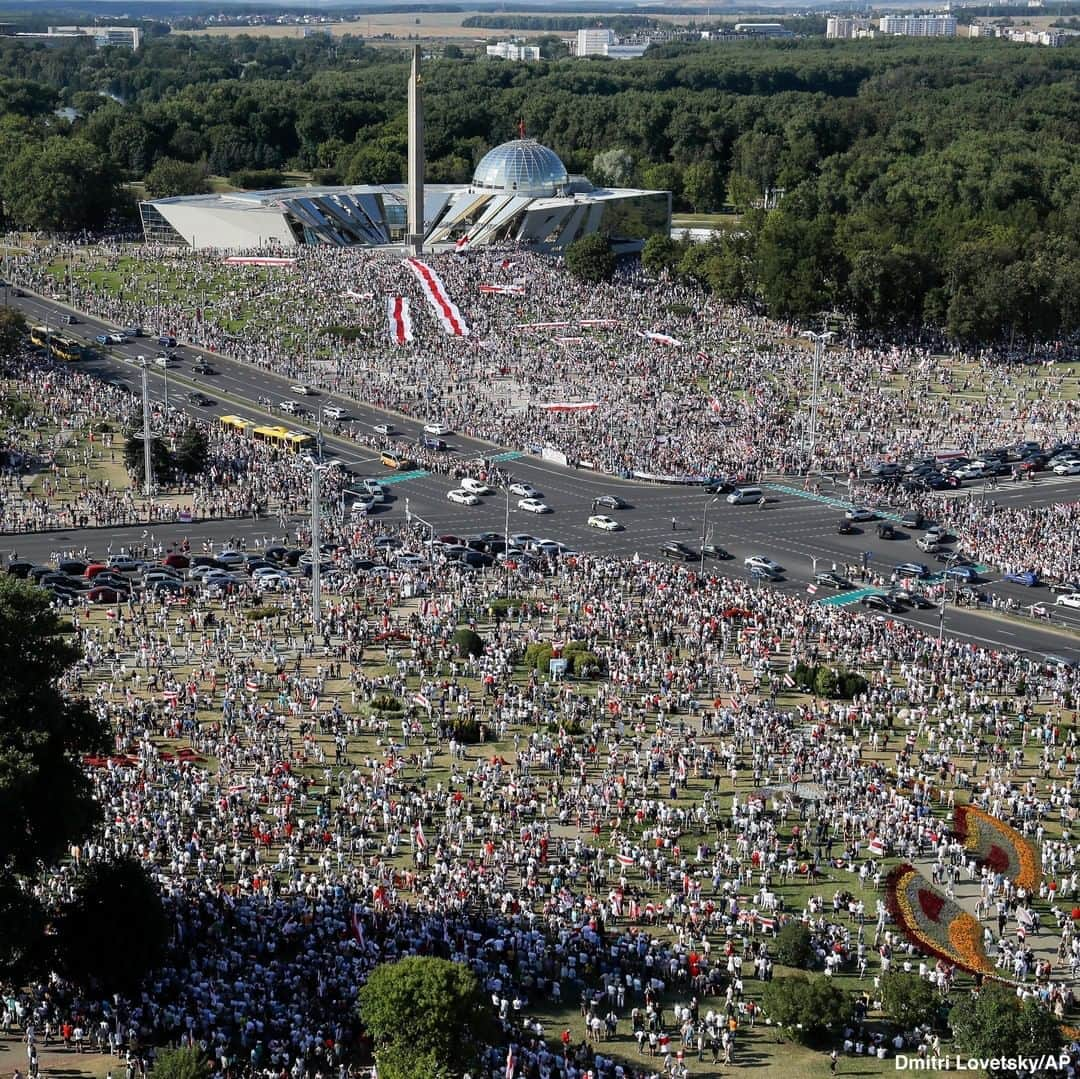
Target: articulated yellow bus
[
  {"x": 237, "y": 425},
  {"x": 64, "y": 348},
  {"x": 293, "y": 441},
  {"x": 39, "y": 336}
]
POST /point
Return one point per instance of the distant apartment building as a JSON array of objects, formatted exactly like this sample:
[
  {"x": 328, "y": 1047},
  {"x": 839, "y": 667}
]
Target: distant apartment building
[
  {"x": 763, "y": 29},
  {"x": 514, "y": 50},
  {"x": 127, "y": 37},
  {"x": 1052, "y": 38},
  {"x": 918, "y": 25},
  {"x": 845, "y": 28},
  {"x": 595, "y": 42}
]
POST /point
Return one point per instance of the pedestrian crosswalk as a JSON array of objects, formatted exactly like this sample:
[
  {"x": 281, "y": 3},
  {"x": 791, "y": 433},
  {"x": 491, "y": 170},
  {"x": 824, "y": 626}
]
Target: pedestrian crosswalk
[
  {"x": 827, "y": 500},
  {"x": 401, "y": 477},
  {"x": 845, "y": 599},
  {"x": 509, "y": 455}
]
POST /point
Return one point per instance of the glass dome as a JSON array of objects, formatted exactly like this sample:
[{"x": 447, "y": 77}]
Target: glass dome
[{"x": 521, "y": 167}]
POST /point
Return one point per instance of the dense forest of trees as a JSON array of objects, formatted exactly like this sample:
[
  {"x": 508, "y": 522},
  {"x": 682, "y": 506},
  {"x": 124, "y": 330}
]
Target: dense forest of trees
[{"x": 924, "y": 181}]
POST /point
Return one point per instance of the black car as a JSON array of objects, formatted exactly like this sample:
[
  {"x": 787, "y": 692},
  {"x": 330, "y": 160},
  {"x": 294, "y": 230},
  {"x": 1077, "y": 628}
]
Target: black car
[
  {"x": 913, "y": 519},
  {"x": 719, "y": 487},
  {"x": 208, "y": 560},
  {"x": 674, "y": 549},
  {"x": 847, "y": 528},
  {"x": 913, "y": 599},
  {"x": 712, "y": 550},
  {"x": 199, "y": 399},
  {"x": 476, "y": 559},
  {"x": 612, "y": 502},
  {"x": 833, "y": 580},
  {"x": 885, "y": 530},
  {"x": 880, "y": 602},
  {"x": 20, "y": 569},
  {"x": 75, "y": 566},
  {"x": 203, "y": 368}
]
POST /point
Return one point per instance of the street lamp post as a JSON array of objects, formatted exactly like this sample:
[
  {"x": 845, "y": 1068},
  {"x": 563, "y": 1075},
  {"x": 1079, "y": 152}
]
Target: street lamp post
[
  {"x": 945, "y": 595},
  {"x": 819, "y": 340},
  {"x": 317, "y": 470},
  {"x": 148, "y": 472},
  {"x": 506, "y": 540},
  {"x": 704, "y": 523}
]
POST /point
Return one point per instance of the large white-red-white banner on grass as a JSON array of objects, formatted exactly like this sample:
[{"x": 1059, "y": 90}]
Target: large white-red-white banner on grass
[
  {"x": 445, "y": 309},
  {"x": 258, "y": 260},
  {"x": 570, "y": 406},
  {"x": 660, "y": 339},
  {"x": 397, "y": 314}
]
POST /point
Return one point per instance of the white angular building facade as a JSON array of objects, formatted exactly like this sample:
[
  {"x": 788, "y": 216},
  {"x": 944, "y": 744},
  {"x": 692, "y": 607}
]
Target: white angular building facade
[{"x": 520, "y": 192}]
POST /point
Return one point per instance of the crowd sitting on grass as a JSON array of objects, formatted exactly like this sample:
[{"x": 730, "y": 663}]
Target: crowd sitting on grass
[
  {"x": 313, "y": 804},
  {"x": 715, "y": 391}
]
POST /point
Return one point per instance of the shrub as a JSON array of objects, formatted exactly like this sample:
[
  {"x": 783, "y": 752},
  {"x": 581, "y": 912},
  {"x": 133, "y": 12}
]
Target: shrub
[
  {"x": 254, "y": 179},
  {"x": 806, "y": 1008},
  {"x": 851, "y": 684},
  {"x": 386, "y": 702},
  {"x": 793, "y": 947},
  {"x": 585, "y": 664},
  {"x": 503, "y": 606},
  {"x": 825, "y": 682},
  {"x": 908, "y": 1000},
  {"x": 468, "y": 642},
  {"x": 542, "y": 658},
  {"x": 803, "y": 676},
  {"x": 465, "y": 730}
]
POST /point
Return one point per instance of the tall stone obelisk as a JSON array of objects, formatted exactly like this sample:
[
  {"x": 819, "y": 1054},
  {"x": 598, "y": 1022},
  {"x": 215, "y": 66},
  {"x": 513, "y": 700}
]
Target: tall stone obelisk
[{"x": 414, "y": 241}]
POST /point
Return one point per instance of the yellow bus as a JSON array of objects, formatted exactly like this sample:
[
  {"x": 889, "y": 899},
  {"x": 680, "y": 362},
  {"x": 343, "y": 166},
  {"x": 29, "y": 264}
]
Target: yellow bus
[
  {"x": 64, "y": 348},
  {"x": 39, "y": 335},
  {"x": 293, "y": 441},
  {"x": 236, "y": 424}
]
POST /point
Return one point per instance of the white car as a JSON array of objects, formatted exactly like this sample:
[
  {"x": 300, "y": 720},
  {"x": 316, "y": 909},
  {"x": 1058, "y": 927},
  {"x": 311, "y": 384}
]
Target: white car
[
  {"x": 166, "y": 362},
  {"x": 301, "y": 391},
  {"x": 436, "y": 429},
  {"x": 475, "y": 486},
  {"x": 533, "y": 505},
  {"x": 759, "y": 561},
  {"x": 383, "y": 428},
  {"x": 1067, "y": 468},
  {"x": 608, "y": 524},
  {"x": 860, "y": 513},
  {"x": 524, "y": 490},
  {"x": 333, "y": 412},
  {"x": 462, "y": 497},
  {"x": 115, "y": 338},
  {"x": 1070, "y": 599},
  {"x": 291, "y": 407}
]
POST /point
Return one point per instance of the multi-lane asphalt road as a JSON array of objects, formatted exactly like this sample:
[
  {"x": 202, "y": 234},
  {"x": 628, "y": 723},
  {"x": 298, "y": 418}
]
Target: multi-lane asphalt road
[{"x": 795, "y": 528}]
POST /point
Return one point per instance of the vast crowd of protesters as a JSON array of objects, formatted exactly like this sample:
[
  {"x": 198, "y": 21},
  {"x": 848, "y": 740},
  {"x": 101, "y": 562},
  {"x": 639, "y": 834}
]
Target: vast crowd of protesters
[
  {"x": 621, "y": 843},
  {"x": 629, "y": 843},
  {"x": 718, "y": 390}
]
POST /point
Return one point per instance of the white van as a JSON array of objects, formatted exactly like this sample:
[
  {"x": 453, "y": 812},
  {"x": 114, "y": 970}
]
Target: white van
[{"x": 743, "y": 495}]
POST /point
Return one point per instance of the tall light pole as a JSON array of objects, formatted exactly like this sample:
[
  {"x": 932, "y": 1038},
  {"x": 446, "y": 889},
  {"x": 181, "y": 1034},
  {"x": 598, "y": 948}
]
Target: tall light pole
[
  {"x": 819, "y": 340},
  {"x": 148, "y": 471},
  {"x": 506, "y": 540},
  {"x": 317, "y": 470},
  {"x": 704, "y": 522},
  {"x": 945, "y": 595}
]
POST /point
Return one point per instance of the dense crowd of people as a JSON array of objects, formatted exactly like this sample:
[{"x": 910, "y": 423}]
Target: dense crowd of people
[
  {"x": 683, "y": 385},
  {"x": 312, "y": 802},
  {"x": 623, "y": 842}
]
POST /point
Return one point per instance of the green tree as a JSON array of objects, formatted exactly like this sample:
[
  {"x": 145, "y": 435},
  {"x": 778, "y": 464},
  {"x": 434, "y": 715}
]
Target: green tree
[
  {"x": 661, "y": 254},
  {"x": 12, "y": 332},
  {"x": 993, "y": 1024},
  {"x": 170, "y": 177},
  {"x": 807, "y": 1008},
  {"x": 613, "y": 168},
  {"x": 63, "y": 184},
  {"x": 110, "y": 895},
  {"x": 160, "y": 461},
  {"x": 825, "y": 682},
  {"x": 664, "y": 177},
  {"x": 183, "y": 1063},
  {"x": 908, "y": 1000},
  {"x": 427, "y": 1017},
  {"x": 192, "y": 448},
  {"x": 44, "y": 732},
  {"x": 701, "y": 187},
  {"x": 468, "y": 642},
  {"x": 590, "y": 259},
  {"x": 794, "y": 947}
]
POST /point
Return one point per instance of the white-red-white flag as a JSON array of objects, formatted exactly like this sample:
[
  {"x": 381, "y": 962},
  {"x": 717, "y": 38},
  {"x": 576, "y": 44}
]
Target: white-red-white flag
[{"x": 399, "y": 319}]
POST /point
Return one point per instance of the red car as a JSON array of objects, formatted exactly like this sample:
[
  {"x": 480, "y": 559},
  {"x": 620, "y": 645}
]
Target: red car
[
  {"x": 177, "y": 561},
  {"x": 94, "y": 569}
]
